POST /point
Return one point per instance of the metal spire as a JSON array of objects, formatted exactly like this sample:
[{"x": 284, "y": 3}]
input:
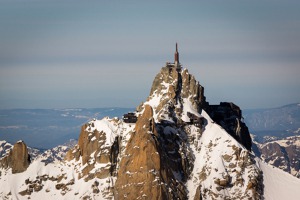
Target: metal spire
[{"x": 176, "y": 54}]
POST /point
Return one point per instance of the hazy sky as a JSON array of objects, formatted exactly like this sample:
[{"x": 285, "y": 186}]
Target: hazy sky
[{"x": 58, "y": 54}]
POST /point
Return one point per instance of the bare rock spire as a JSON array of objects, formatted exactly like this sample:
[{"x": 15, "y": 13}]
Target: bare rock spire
[{"x": 18, "y": 158}]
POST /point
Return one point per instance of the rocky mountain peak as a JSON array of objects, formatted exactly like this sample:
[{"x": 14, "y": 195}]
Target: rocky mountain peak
[
  {"x": 17, "y": 159},
  {"x": 173, "y": 90},
  {"x": 173, "y": 122},
  {"x": 175, "y": 146},
  {"x": 175, "y": 93},
  {"x": 157, "y": 155}
]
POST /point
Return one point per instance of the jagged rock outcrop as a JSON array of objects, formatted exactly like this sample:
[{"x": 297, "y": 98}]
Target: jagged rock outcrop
[
  {"x": 229, "y": 116},
  {"x": 148, "y": 168},
  {"x": 192, "y": 90},
  {"x": 98, "y": 149},
  {"x": 139, "y": 173},
  {"x": 18, "y": 158},
  {"x": 172, "y": 87}
]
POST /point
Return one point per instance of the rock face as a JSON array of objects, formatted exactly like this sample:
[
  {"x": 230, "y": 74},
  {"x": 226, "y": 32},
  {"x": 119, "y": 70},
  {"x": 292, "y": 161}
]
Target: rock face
[
  {"x": 229, "y": 116},
  {"x": 148, "y": 168},
  {"x": 96, "y": 148},
  {"x": 283, "y": 154},
  {"x": 174, "y": 86},
  {"x": 18, "y": 158},
  {"x": 139, "y": 175}
]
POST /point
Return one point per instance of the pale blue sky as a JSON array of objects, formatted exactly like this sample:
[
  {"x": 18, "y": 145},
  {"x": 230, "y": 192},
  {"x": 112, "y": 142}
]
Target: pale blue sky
[{"x": 58, "y": 54}]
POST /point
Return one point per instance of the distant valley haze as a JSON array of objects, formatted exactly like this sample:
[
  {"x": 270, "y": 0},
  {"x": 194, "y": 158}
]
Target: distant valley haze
[{"x": 47, "y": 128}]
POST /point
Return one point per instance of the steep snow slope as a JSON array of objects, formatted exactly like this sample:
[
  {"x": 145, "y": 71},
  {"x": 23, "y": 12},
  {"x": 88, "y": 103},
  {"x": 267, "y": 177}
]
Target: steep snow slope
[
  {"x": 55, "y": 180},
  {"x": 278, "y": 184},
  {"x": 222, "y": 166}
]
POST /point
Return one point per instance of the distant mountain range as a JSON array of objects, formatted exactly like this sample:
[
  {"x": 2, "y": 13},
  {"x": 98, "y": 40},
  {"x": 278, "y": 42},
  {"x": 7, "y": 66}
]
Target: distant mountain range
[
  {"x": 47, "y": 128},
  {"x": 276, "y": 136},
  {"x": 275, "y": 123}
]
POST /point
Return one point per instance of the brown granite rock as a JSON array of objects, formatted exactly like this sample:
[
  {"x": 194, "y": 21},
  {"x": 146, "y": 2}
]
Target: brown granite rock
[
  {"x": 173, "y": 86},
  {"x": 91, "y": 149},
  {"x": 18, "y": 158},
  {"x": 193, "y": 90},
  {"x": 198, "y": 194},
  {"x": 139, "y": 174}
]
